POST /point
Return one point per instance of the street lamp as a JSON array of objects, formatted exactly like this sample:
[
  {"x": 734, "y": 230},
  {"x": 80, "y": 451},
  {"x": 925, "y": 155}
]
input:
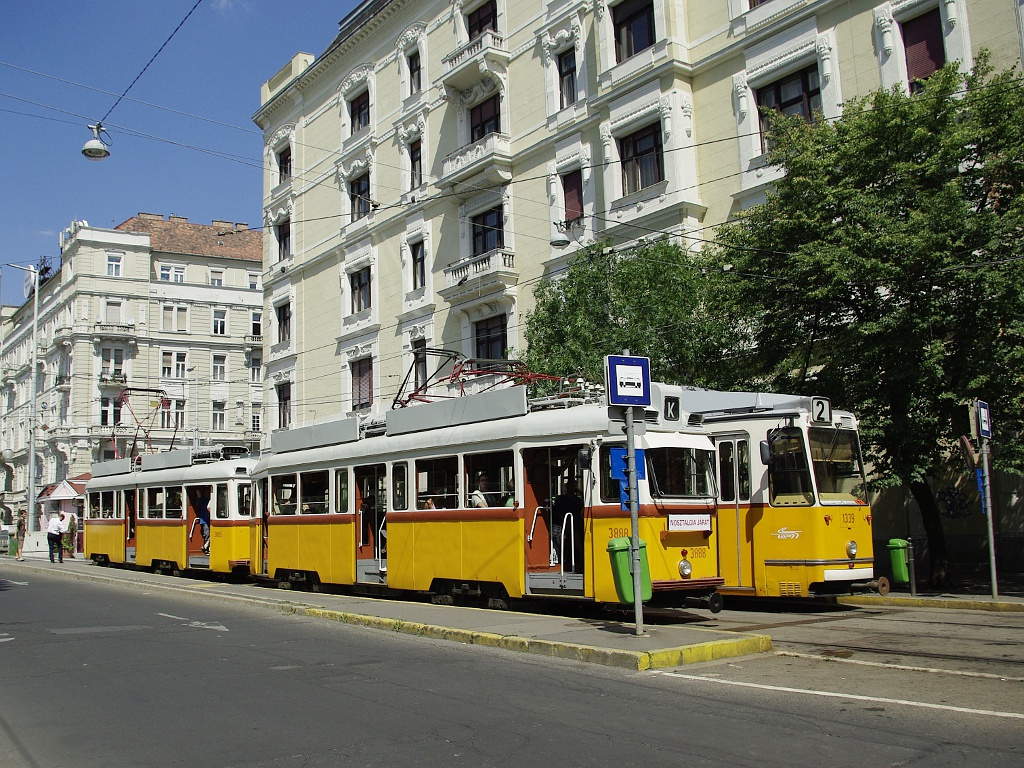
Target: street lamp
[
  {"x": 33, "y": 275},
  {"x": 96, "y": 148}
]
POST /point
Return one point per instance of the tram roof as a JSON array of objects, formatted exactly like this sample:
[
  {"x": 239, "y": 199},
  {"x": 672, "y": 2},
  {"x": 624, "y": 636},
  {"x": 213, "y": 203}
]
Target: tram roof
[{"x": 712, "y": 403}]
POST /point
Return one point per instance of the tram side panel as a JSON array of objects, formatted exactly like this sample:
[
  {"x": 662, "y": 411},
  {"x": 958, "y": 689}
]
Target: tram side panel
[{"x": 160, "y": 541}]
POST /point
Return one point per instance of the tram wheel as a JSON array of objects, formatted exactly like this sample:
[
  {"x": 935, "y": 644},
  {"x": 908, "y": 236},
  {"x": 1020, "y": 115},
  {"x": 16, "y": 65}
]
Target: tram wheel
[
  {"x": 883, "y": 586},
  {"x": 716, "y": 602}
]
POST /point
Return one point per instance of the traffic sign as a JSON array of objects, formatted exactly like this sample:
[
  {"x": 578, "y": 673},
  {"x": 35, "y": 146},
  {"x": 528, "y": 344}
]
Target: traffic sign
[
  {"x": 984, "y": 420},
  {"x": 628, "y": 380}
]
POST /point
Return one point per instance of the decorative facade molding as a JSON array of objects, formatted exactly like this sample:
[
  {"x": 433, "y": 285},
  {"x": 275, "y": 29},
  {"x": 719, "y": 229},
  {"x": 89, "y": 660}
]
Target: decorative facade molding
[
  {"x": 273, "y": 217},
  {"x": 411, "y": 36},
  {"x": 742, "y": 93},
  {"x": 686, "y": 107},
  {"x": 357, "y": 77},
  {"x": 884, "y": 21},
  {"x": 283, "y": 135},
  {"x": 823, "y": 46}
]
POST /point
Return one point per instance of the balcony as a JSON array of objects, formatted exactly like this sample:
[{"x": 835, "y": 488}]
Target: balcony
[
  {"x": 63, "y": 335},
  {"x": 105, "y": 430},
  {"x": 62, "y": 381},
  {"x": 113, "y": 332},
  {"x": 487, "y": 53},
  {"x": 253, "y": 436},
  {"x": 485, "y": 161},
  {"x": 108, "y": 379},
  {"x": 253, "y": 342},
  {"x": 489, "y": 272},
  {"x": 10, "y": 376}
]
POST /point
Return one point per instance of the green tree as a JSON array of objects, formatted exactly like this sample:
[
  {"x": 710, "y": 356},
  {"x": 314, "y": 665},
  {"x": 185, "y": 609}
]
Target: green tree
[
  {"x": 885, "y": 271},
  {"x": 655, "y": 300}
]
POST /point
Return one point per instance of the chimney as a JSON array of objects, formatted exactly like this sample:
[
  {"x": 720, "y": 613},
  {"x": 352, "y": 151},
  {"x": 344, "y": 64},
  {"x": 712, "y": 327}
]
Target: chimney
[
  {"x": 221, "y": 224},
  {"x": 178, "y": 219},
  {"x": 151, "y": 216}
]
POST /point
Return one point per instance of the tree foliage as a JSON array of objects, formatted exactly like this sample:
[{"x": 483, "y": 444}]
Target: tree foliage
[
  {"x": 656, "y": 301},
  {"x": 885, "y": 270}
]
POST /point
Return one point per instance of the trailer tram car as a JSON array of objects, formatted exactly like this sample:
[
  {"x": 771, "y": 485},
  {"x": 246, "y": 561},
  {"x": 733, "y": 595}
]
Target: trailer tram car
[
  {"x": 144, "y": 511},
  {"x": 485, "y": 497},
  {"x": 793, "y": 516}
]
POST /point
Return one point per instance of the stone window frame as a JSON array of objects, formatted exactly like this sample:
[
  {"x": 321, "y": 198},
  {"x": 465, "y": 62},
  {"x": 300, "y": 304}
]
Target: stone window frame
[
  {"x": 564, "y": 35},
  {"x": 610, "y": 70},
  {"x": 361, "y": 78},
  {"x": 412, "y": 40},
  {"x": 480, "y": 204},
  {"x": 888, "y": 36},
  {"x": 571, "y": 155},
  {"x": 406, "y": 134},
  {"x": 352, "y": 354},
  {"x": 418, "y": 233}
]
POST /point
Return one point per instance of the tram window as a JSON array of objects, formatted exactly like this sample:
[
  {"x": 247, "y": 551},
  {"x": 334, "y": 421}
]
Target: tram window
[
  {"x": 222, "y": 501},
  {"x": 341, "y": 490},
  {"x": 154, "y": 502},
  {"x": 437, "y": 483},
  {"x": 263, "y": 498},
  {"x": 107, "y": 501},
  {"x": 490, "y": 481},
  {"x": 399, "y": 486},
  {"x": 94, "y": 505},
  {"x": 679, "y": 472},
  {"x": 314, "y": 489},
  {"x": 838, "y": 469},
  {"x": 244, "y": 499},
  {"x": 609, "y": 485},
  {"x": 789, "y": 478},
  {"x": 285, "y": 492},
  {"x": 743, "y": 465},
  {"x": 727, "y": 471},
  {"x": 173, "y": 507}
]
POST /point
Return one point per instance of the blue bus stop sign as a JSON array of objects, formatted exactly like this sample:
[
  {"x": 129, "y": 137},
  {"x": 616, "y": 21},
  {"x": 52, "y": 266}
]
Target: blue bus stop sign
[{"x": 628, "y": 380}]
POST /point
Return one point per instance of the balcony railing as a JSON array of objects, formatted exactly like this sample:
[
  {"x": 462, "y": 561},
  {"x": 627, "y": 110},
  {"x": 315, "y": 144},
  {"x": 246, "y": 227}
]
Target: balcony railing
[
  {"x": 102, "y": 331},
  {"x": 484, "y": 273},
  {"x": 253, "y": 341},
  {"x": 113, "y": 379},
  {"x": 62, "y": 381},
  {"x": 461, "y": 69},
  {"x": 490, "y": 156}
]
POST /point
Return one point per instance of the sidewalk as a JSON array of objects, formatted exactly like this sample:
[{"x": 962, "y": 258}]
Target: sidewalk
[
  {"x": 592, "y": 639},
  {"x": 970, "y": 590}
]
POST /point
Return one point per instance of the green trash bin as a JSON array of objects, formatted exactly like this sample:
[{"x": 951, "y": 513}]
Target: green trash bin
[
  {"x": 618, "y": 551},
  {"x": 898, "y": 558}
]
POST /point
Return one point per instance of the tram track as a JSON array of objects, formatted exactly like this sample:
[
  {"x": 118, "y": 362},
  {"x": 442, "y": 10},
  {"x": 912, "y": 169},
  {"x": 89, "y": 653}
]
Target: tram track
[{"x": 838, "y": 648}]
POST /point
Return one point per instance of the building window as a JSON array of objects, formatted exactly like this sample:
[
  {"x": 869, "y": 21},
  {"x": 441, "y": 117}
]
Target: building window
[
  {"x": 112, "y": 312},
  {"x": 490, "y": 338},
  {"x": 926, "y": 53},
  {"x": 284, "y": 405},
  {"x": 220, "y": 322},
  {"x": 284, "y": 321},
  {"x": 415, "y": 165},
  {"x": 797, "y": 94},
  {"x": 219, "y": 368},
  {"x": 170, "y": 273},
  {"x": 634, "y": 27},
  {"x": 572, "y": 195},
  {"x": 284, "y": 165},
  {"x": 359, "y": 196},
  {"x": 415, "y": 73},
  {"x": 256, "y": 369},
  {"x": 567, "y": 77},
  {"x": 642, "y": 161},
  {"x": 485, "y": 118},
  {"x": 419, "y": 362},
  {"x": 257, "y": 322},
  {"x": 488, "y": 232},
  {"x": 419, "y": 264},
  {"x": 359, "y": 112},
  {"x": 483, "y": 18},
  {"x": 114, "y": 265},
  {"x": 257, "y": 412},
  {"x": 174, "y": 318},
  {"x": 284, "y": 239},
  {"x": 359, "y": 284},
  {"x": 112, "y": 361},
  {"x": 362, "y": 383},
  {"x": 217, "y": 278},
  {"x": 110, "y": 411},
  {"x": 175, "y": 364},
  {"x": 254, "y": 281},
  {"x": 217, "y": 415},
  {"x": 172, "y": 414}
]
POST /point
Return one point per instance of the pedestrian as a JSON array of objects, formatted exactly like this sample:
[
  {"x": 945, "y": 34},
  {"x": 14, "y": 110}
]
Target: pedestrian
[
  {"x": 203, "y": 515},
  {"x": 69, "y": 535},
  {"x": 22, "y": 527},
  {"x": 53, "y": 538}
]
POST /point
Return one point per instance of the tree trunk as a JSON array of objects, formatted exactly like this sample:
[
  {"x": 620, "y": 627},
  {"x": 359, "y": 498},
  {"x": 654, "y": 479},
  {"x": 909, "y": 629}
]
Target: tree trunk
[{"x": 938, "y": 555}]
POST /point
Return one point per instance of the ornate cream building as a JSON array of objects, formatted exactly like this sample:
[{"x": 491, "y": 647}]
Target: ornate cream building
[
  {"x": 148, "y": 333},
  {"x": 440, "y": 157}
]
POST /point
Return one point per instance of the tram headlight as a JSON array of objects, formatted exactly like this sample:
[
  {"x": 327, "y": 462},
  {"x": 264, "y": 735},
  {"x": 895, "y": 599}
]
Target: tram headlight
[
  {"x": 851, "y": 549},
  {"x": 685, "y": 568}
]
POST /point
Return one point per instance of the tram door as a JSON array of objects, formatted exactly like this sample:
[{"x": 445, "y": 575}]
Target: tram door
[
  {"x": 554, "y": 519},
  {"x": 199, "y": 509},
  {"x": 130, "y": 506},
  {"x": 371, "y": 522},
  {"x": 736, "y": 519}
]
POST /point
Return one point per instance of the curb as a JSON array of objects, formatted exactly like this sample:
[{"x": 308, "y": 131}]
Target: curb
[
  {"x": 635, "y": 660},
  {"x": 973, "y": 604}
]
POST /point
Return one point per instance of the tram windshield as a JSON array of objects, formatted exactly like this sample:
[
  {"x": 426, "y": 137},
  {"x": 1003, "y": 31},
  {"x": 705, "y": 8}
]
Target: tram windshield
[
  {"x": 838, "y": 467},
  {"x": 789, "y": 477},
  {"x": 680, "y": 472}
]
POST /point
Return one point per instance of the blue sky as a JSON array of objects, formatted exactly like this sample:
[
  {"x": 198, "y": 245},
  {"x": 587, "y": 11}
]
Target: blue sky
[{"x": 204, "y": 162}]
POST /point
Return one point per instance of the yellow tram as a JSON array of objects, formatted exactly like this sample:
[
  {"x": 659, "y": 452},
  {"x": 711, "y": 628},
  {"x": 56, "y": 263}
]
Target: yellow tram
[
  {"x": 490, "y": 496},
  {"x": 793, "y": 513},
  {"x": 150, "y": 511}
]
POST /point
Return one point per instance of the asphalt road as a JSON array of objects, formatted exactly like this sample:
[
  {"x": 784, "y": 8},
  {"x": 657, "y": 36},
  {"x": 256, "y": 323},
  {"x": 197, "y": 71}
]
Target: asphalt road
[{"x": 101, "y": 675}]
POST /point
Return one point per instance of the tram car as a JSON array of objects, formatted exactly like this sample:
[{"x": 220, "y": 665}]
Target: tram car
[
  {"x": 793, "y": 513},
  {"x": 487, "y": 497},
  {"x": 172, "y": 511}
]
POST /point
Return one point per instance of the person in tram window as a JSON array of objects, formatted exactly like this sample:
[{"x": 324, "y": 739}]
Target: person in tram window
[
  {"x": 481, "y": 497},
  {"x": 203, "y": 516}
]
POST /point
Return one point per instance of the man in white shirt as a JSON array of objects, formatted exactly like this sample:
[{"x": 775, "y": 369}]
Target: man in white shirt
[{"x": 53, "y": 538}]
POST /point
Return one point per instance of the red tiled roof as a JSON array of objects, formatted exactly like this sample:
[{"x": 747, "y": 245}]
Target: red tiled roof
[{"x": 177, "y": 235}]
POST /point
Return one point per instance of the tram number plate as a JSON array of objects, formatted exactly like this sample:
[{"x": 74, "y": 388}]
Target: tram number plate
[{"x": 689, "y": 522}]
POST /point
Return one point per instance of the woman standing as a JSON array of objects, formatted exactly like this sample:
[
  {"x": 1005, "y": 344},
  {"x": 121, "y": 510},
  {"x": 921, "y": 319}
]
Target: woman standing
[{"x": 21, "y": 536}]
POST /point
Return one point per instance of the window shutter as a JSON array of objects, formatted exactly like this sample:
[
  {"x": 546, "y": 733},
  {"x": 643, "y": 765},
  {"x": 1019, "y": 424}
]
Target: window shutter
[{"x": 922, "y": 39}]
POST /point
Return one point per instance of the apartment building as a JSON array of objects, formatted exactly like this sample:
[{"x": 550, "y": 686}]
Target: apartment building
[
  {"x": 148, "y": 335},
  {"x": 441, "y": 156}
]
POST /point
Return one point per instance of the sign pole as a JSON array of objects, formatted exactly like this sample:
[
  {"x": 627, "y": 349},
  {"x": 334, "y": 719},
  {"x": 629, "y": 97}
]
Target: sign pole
[
  {"x": 987, "y": 501},
  {"x": 634, "y": 519}
]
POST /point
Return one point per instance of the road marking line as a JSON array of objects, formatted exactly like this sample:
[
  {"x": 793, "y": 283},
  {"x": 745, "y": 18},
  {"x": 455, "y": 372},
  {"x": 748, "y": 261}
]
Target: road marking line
[
  {"x": 19, "y": 583},
  {"x": 904, "y": 667},
  {"x": 851, "y": 696},
  {"x": 6, "y": 639}
]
